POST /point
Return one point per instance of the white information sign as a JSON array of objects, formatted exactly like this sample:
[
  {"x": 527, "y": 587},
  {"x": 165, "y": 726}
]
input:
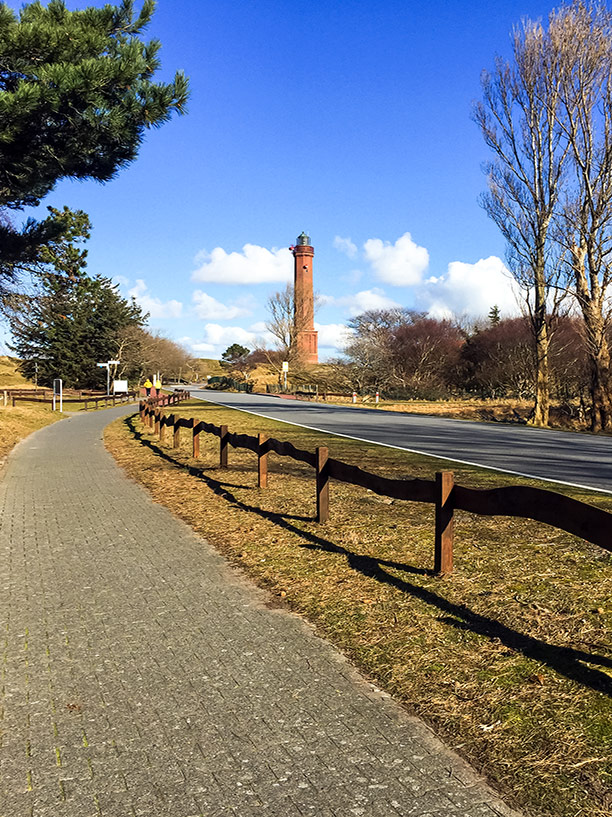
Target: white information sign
[
  {"x": 120, "y": 386},
  {"x": 58, "y": 393}
]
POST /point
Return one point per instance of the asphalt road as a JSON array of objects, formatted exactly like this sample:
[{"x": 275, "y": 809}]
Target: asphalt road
[{"x": 570, "y": 458}]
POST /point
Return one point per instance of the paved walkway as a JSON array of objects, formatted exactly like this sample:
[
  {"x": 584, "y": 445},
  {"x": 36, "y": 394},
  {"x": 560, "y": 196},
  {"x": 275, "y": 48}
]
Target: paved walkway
[{"x": 143, "y": 676}]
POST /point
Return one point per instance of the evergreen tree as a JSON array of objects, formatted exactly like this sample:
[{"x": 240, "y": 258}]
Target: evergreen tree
[
  {"x": 28, "y": 249},
  {"x": 233, "y": 354},
  {"x": 76, "y": 96},
  {"x": 74, "y": 323},
  {"x": 494, "y": 316}
]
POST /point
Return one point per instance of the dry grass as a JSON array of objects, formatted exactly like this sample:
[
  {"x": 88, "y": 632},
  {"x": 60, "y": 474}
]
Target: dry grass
[
  {"x": 208, "y": 366},
  {"x": 509, "y": 659},
  {"x": 16, "y": 423},
  {"x": 506, "y": 410},
  {"x": 9, "y": 376}
]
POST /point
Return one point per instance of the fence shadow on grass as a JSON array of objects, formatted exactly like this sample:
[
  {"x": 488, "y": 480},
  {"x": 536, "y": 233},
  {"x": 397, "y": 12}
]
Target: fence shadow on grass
[{"x": 567, "y": 661}]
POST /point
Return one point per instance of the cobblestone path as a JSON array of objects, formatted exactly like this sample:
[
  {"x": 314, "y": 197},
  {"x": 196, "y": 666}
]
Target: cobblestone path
[{"x": 141, "y": 675}]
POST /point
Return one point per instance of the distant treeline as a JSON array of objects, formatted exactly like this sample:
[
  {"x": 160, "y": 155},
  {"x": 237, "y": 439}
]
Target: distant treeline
[{"x": 406, "y": 354}]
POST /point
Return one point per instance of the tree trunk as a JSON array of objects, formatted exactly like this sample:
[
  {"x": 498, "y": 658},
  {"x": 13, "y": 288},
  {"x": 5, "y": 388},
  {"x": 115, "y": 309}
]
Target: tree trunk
[
  {"x": 591, "y": 301},
  {"x": 600, "y": 389},
  {"x": 541, "y": 408}
]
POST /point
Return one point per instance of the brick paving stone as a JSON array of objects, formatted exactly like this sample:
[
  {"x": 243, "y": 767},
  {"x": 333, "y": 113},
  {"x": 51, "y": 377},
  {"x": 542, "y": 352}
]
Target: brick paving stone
[{"x": 142, "y": 676}]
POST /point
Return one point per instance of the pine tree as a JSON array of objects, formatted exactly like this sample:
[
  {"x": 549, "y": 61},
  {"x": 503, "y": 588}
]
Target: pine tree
[
  {"x": 494, "y": 316},
  {"x": 233, "y": 353},
  {"x": 72, "y": 322},
  {"x": 70, "y": 327},
  {"x": 76, "y": 97},
  {"x": 35, "y": 244},
  {"x": 76, "y": 94}
]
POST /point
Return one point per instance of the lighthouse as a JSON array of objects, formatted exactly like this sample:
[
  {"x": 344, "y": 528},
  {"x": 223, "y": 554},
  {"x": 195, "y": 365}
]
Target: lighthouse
[{"x": 305, "y": 335}]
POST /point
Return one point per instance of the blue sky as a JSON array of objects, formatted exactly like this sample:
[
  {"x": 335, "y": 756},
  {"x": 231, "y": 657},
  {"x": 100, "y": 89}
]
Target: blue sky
[{"x": 350, "y": 120}]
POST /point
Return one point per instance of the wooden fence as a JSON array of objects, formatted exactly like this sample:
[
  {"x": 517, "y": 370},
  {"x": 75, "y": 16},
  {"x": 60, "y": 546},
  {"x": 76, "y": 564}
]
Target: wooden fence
[
  {"x": 107, "y": 399},
  {"x": 165, "y": 399},
  {"x": 45, "y": 392},
  {"x": 562, "y": 512}
]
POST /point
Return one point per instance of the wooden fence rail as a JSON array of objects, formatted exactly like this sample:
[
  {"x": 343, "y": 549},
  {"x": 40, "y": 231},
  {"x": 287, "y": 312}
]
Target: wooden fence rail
[
  {"x": 69, "y": 393},
  {"x": 586, "y": 521},
  {"x": 107, "y": 399}
]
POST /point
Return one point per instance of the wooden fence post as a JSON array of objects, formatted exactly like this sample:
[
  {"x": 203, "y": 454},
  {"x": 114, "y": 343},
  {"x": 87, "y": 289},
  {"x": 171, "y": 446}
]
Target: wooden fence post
[
  {"x": 443, "y": 548},
  {"x": 223, "y": 446},
  {"x": 141, "y": 408},
  {"x": 196, "y": 438},
  {"x": 165, "y": 420},
  {"x": 322, "y": 455},
  {"x": 157, "y": 421},
  {"x": 176, "y": 440},
  {"x": 262, "y": 462}
]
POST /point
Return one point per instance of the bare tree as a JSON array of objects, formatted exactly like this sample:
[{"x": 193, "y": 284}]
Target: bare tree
[
  {"x": 582, "y": 36},
  {"x": 281, "y": 323},
  {"x": 370, "y": 349},
  {"x": 518, "y": 118},
  {"x": 425, "y": 356},
  {"x": 498, "y": 360},
  {"x": 142, "y": 353}
]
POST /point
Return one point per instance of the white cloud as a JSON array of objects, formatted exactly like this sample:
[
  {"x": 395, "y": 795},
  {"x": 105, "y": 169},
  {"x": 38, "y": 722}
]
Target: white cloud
[
  {"x": 360, "y": 302},
  {"x": 346, "y": 246},
  {"x": 333, "y": 335},
  {"x": 323, "y": 300},
  {"x": 401, "y": 264},
  {"x": 470, "y": 289},
  {"x": 154, "y": 306},
  {"x": 202, "y": 347},
  {"x": 216, "y": 338},
  {"x": 254, "y": 265},
  {"x": 224, "y": 336},
  {"x": 258, "y": 326},
  {"x": 208, "y": 308}
]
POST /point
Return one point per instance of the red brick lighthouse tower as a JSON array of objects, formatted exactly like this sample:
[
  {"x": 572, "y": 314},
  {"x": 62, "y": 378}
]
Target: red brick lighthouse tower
[{"x": 306, "y": 343}]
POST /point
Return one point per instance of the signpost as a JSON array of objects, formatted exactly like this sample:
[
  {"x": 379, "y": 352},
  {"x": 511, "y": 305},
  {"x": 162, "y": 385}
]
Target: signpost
[
  {"x": 285, "y": 370},
  {"x": 107, "y": 366}
]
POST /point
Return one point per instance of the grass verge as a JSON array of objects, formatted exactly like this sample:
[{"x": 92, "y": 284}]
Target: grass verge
[
  {"x": 509, "y": 659},
  {"x": 19, "y": 421}
]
